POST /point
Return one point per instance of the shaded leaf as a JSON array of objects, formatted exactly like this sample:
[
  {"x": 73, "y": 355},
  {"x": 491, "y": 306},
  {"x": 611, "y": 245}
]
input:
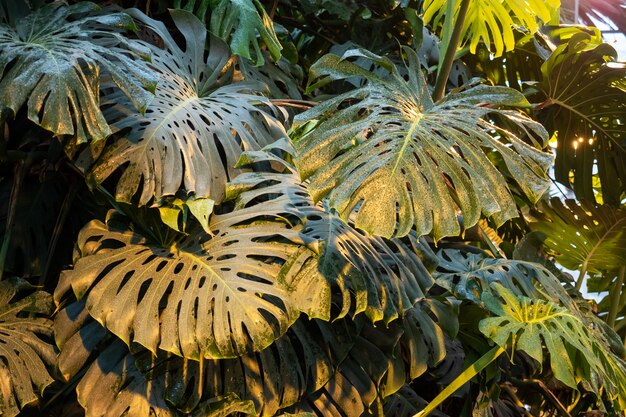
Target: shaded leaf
[
  {"x": 584, "y": 235},
  {"x": 24, "y": 349},
  {"x": 397, "y": 157},
  {"x": 195, "y": 129},
  {"x": 242, "y": 23},
  {"x": 52, "y": 60},
  {"x": 585, "y": 105},
  {"x": 382, "y": 278},
  {"x": 468, "y": 275}
]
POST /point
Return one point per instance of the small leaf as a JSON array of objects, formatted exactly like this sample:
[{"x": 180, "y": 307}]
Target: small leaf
[{"x": 241, "y": 23}]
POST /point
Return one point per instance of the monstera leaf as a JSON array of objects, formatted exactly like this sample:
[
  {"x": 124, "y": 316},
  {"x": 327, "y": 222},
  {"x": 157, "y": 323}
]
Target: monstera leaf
[
  {"x": 584, "y": 103},
  {"x": 584, "y": 236},
  {"x": 467, "y": 275},
  {"x": 196, "y": 128},
  {"x": 53, "y": 59},
  {"x": 396, "y": 158},
  {"x": 382, "y": 278},
  {"x": 298, "y": 363},
  {"x": 205, "y": 295},
  {"x": 24, "y": 351},
  {"x": 528, "y": 325},
  {"x": 242, "y": 23},
  {"x": 493, "y": 21}
]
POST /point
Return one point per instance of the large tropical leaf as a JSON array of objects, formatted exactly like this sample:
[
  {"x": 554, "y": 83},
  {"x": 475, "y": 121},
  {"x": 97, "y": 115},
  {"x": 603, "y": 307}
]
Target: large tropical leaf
[
  {"x": 467, "y": 275},
  {"x": 584, "y": 104},
  {"x": 575, "y": 353},
  {"x": 53, "y": 58},
  {"x": 204, "y": 295},
  {"x": 494, "y": 21},
  {"x": 25, "y": 351},
  {"x": 397, "y": 158},
  {"x": 584, "y": 236},
  {"x": 242, "y": 23},
  {"x": 380, "y": 277},
  {"x": 197, "y": 126},
  {"x": 590, "y": 12},
  {"x": 299, "y": 362}
]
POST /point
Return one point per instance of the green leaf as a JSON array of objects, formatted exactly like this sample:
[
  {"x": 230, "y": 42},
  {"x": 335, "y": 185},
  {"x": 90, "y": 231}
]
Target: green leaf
[
  {"x": 584, "y": 104},
  {"x": 240, "y": 22},
  {"x": 379, "y": 277},
  {"x": 53, "y": 59},
  {"x": 195, "y": 130},
  {"x": 24, "y": 350},
  {"x": 493, "y": 21},
  {"x": 394, "y": 158},
  {"x": 584, "y": 235},
  {"x": 300, "y": 362},
  {"x": 212, "y": 295},
  {"x": 468, "y": 275},
  {"x": 225, "y": 406},
  {"x": 528, "y": 324}
]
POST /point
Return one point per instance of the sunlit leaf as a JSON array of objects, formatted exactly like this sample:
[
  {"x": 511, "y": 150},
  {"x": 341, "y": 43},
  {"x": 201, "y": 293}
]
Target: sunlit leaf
[{"x": 390, "y": 153}]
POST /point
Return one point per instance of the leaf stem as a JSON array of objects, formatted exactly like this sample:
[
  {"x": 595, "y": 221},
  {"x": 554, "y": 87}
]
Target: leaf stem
[
  {"x": 581, "y": 276},
  {"x": 615, "y": 303},
  {"x": 452, "y": 45},
  {"x": 465, "y": 376},
  {"x": 19, "y": 172}
]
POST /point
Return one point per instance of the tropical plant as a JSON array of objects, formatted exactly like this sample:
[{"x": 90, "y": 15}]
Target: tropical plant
[{"x": 309, "y": 208}]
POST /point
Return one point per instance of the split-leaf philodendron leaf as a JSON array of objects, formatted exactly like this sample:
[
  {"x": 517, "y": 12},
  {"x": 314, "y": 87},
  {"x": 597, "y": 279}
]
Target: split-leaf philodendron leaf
[
  {"x": 493, "y": 21},
  {"x": 379, "y": 277},
  {"x": 529, "y": 324},
  {"x": 53, "y": 58},
  {"x": 24, "y": 351},
  {"x": 584, "y": 235},
  {"x": 196, "y": 127},
  {"x": 584, "y": 104},
  {"x": 242, "y": 23},
  {"x": 215, "y": 295},
  {"x": 388, "y": 153}
]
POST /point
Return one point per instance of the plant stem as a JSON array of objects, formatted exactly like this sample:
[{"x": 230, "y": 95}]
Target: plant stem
[
  {"x": 465, "y": 376},
  {"x": 615, "y": 304},
  {"x": 581, "y": 276},
  {"x": 19, "y": 172},
  {"x": 452, "y": 45}
]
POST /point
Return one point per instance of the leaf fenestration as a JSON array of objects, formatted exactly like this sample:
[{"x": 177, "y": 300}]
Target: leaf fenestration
[
  {"x": 53, "y": 58},
  {"x": 24, "y": 351},
  {"x": 390, "y": 153},
  {"x": 195, "y": 129}
]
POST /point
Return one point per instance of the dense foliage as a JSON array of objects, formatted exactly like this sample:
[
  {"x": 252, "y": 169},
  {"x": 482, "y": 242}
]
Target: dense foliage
[{"x": 311, "y": 208}]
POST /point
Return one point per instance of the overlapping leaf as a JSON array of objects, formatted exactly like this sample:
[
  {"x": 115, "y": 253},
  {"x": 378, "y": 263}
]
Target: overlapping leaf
[
  {"x": 494, "y": 21},
  {"x": 584, "y": 103},
  {"x": 531, "y": 324},
  {"x": 382, "y": 278},
  {"x": 299, "y": 362},
  {"x": 242, "y": 23},
  {"x": 584, "y": 235},
  {"x": 53, "y": 58},
  {"x": 467, "y": 275},
  {"x": 24, "y": 351},
  {"x": 197, "y": 126},
  {"x": 207, "y": 295},
  {"x": 388, "y": 151}
]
